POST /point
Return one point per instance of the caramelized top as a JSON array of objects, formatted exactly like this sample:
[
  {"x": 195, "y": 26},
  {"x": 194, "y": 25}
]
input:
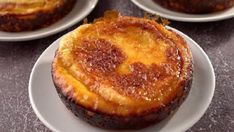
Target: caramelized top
[
  {"x": 98, "y": 56},
  {"x": 130, "y": 64},
  {"x": 22, "y": 7}
]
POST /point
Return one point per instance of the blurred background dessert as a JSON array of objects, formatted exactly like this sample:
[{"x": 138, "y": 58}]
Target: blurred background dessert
[
  {"x": 196, "y": 6},
  {"x": 27, "y": 15}
]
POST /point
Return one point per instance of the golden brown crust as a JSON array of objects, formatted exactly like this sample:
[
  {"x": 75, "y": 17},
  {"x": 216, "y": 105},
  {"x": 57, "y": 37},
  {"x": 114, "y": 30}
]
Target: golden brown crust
[
  {"x": 196, "y": 6},
  {"x": 124, "y": 70},
  {"x": 34, "y": 19},
  {"x": 106, "y": 121}
]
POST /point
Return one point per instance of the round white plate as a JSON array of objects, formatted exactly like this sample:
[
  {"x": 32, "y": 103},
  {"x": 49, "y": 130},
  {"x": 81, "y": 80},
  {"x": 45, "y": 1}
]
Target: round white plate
[
  {"x": 54, "y": 114},
  {"x": 152, "y": 7},
  {"x": 81, "y": 9}
]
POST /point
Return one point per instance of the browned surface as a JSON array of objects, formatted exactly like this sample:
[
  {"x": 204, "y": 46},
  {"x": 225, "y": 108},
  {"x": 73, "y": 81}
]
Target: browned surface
[
  {"x": 36, "y": 20},
  {"x": 99, "y": 56},
  {"x": 196, "y": 6}
]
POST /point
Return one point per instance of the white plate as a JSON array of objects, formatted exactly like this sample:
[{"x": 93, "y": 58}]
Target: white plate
[
  {"x": 81, "y": 9},
  {"x": 154, "y": 8},
  {"x": 54, "y": 114}
]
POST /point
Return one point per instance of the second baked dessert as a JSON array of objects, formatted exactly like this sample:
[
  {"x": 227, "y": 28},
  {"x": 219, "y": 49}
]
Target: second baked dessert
[{"x": 27, "y": 15}]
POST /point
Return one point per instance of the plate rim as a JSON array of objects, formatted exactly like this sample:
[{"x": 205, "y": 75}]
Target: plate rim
[
  {"x": 50, "y": 32},
  {"x": 209, "y": 100},
  {"x": 183, "y": 19},
  {"x": 184, "y": 128},
  {"x": 41, "y": 118}
]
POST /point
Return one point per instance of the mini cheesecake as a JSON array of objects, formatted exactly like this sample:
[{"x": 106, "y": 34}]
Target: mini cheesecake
[
  {"x": 196, "y": 6},
  {"x": 26, "y": 15},
  {"x": 122, "y": 72}
]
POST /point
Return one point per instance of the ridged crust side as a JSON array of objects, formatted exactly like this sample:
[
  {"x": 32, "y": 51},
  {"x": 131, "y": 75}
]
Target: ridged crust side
[
  {"x": 35, "y": 20},
  {"x": 103, "y": 120},
  {"x": 196, "y": 6},
  {"x": 153, "y": 67}
]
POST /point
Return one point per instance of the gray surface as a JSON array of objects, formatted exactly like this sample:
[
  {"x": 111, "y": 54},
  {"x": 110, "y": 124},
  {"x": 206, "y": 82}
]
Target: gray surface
[{"x": 17, "y": 59}]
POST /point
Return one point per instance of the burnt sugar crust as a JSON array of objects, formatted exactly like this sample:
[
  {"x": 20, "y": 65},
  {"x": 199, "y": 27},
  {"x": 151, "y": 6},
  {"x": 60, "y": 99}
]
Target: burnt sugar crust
[
  {"x": 196, "y": 6},
  {"x": 122, "y": 72},
  {"x": 28, "y": 21}
]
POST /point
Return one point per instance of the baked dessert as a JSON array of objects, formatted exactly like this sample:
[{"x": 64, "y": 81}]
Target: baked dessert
[
  {"x": 122, "y": 72},
  {"x": 26, "y": 15},
  {"x": 196, "y": 6}
]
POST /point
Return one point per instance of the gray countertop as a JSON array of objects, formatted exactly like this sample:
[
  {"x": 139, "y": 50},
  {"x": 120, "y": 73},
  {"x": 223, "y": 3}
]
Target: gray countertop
[{"x": 17, "y": 60}]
